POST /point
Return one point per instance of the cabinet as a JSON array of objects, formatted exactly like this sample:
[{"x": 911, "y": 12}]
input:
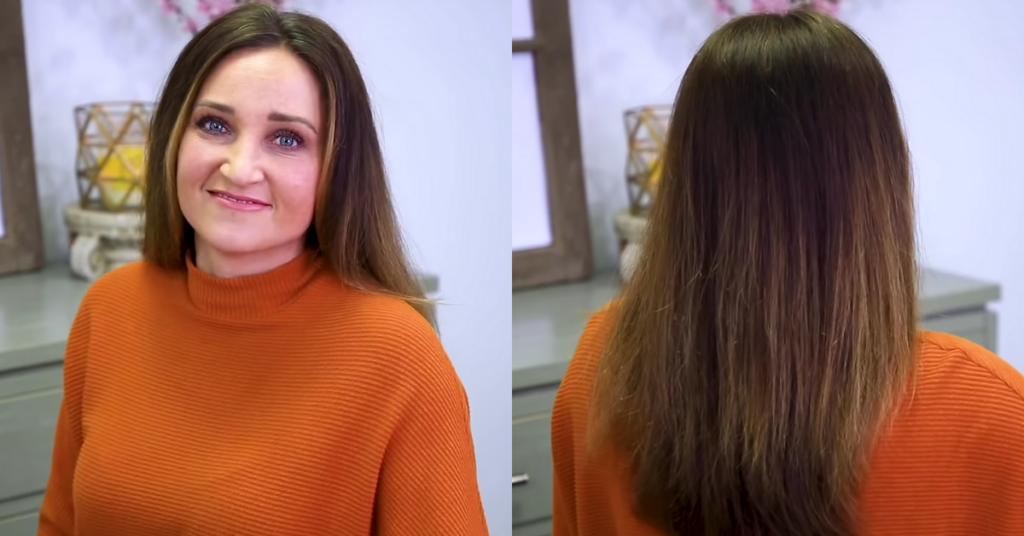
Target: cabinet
[
  {"x": 36, "y": 312},
  {"x": 547, "y": 323}
]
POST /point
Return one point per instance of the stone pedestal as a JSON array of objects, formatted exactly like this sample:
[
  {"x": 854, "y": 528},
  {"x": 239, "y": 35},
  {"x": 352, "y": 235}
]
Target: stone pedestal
[
  {"x": 630, "y": 229},
  {"x": 101, "y": 241}
]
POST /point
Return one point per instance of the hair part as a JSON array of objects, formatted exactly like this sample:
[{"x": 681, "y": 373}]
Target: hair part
[
  {"x": 355, "y": 228},
  {"x": 768, "y": 334}
]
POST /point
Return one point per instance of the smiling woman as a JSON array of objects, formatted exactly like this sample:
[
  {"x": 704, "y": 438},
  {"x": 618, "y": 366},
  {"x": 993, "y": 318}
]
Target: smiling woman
[{"x": 282, "y": 376}]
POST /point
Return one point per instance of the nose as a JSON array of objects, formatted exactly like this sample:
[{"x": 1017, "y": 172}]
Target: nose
[{"x": 242, "y": 166}]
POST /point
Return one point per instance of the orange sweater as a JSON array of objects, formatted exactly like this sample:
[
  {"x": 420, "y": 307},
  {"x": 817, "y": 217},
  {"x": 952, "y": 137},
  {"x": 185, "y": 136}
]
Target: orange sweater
[
  {"x": 278, "y": 404},
  {"x": 953, "y": 463}
]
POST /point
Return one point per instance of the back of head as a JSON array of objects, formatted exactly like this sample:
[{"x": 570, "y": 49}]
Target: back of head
[{"x": 769, "y": 330}]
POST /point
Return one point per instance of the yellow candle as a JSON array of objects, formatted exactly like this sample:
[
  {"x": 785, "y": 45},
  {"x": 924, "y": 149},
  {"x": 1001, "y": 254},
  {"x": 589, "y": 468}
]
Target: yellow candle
[
  {"x": 654, "y": 174},
  {"x": 118, "y": 175}
]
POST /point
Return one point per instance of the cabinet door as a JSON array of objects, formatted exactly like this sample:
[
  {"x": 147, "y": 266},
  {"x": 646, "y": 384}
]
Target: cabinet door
[
  {"x": 20, "y": 517},
  {"x": 25, "y": 524},
  {"x": 29, "y": 402},
  {"x": 531, "y": 469},
  {"x": 539, "y": 528}
]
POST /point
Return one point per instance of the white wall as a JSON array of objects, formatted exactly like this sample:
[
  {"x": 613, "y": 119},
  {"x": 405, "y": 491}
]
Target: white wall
[
  {"x": 956, "y": 70},
  {"x": 438, "y": 77}
]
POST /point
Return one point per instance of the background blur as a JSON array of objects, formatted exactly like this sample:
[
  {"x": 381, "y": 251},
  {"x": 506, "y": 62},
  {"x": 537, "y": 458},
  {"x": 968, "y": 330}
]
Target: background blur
[{"x": 437, "y": 82}]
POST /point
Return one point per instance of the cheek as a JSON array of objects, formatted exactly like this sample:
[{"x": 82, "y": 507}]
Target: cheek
[
  {"x": 195, "y": 163},
  {"x": 298, "y": 191}
]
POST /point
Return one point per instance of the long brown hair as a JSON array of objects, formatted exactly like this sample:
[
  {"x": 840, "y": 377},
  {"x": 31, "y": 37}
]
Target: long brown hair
[
  {"x": 768, "y": 333},
  {"x": 354, "y": 228}
]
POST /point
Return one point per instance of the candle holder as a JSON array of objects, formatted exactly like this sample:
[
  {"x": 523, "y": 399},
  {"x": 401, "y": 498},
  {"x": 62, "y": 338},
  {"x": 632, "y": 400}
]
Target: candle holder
[
  {"x": 646, "y": 128},
  {"x": 111, "y": 154},
  {"x": 105, "y": 224}
]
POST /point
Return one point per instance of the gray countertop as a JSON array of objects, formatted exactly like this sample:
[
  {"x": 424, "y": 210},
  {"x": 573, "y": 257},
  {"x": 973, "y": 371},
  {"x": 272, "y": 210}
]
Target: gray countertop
[
  {"x": 37, "y": 309},
  {"x": 547, "y": 322}
]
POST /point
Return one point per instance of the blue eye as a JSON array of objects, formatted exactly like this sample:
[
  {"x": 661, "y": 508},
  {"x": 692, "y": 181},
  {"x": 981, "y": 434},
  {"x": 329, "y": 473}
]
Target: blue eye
[
  {"x": 288, "y": 139},
  {"x": 285, "y": 139},
  {"x": 211, "y": 124}
]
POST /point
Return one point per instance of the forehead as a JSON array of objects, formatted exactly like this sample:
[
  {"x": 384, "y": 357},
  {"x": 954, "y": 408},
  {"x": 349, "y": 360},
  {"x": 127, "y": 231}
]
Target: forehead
[{"x": 261, "y": 80}]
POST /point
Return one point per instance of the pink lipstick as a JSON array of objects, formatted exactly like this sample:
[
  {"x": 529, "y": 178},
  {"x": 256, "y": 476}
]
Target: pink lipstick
[{"x": 238, "y": 202}]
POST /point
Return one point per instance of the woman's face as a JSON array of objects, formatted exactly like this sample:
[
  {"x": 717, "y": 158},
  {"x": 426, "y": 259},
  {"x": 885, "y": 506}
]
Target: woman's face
[{"x": 249, "y": 162}]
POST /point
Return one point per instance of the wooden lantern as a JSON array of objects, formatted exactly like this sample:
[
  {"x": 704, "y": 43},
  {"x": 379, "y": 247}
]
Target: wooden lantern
[
  {"x": 646, "y": 128},
  {"x": 111, "y": 154}
]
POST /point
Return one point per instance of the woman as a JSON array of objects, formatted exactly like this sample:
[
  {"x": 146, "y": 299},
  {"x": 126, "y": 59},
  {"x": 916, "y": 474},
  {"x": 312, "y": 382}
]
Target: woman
[
  {"x": 270, "y": 368},
  {"x": 762, "y": 372}
]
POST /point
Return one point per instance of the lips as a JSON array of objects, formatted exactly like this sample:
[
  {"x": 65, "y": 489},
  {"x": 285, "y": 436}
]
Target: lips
[{"x": 235, "y": 198}]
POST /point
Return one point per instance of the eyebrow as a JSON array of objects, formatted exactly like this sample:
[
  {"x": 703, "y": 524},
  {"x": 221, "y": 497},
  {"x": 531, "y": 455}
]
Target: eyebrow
[{"x": 272, "y": 116}]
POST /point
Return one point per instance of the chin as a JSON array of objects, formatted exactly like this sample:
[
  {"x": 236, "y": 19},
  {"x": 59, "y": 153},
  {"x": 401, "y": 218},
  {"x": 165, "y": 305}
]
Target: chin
[
  {"x": 238, "y": 249},
  {"x": 232, "y": 243}
]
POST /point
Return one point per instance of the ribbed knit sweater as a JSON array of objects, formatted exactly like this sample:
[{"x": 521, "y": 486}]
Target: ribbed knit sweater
[
  {"x": 951, "y": 464},
  {"x": 279, "y": 404}
]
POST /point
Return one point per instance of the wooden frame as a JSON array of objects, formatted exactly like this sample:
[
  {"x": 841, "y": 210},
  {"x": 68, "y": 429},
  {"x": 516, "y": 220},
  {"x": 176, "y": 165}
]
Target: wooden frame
[
  {"x": 21, "y": 246},
  {"x": 569, "y": 257}
]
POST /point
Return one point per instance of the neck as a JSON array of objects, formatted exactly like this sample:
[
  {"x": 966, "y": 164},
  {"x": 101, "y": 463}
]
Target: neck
[
  {"x": 229, "y": 265},
  {"x": 252, "y": 295}
]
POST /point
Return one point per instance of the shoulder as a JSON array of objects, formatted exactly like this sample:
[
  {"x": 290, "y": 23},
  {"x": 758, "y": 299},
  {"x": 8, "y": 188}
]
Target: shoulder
[
  {"x": 110, "y": 305},
  {"x": 393, "y": 334},
  {"x": 124, "y": 285},
  {"x": 958, "y": 359},
  {"x": 410, "y": 354},
  {"x": 600, "y": 322},
  {"x": 390, "y": 321},
  {"x": 576, "y": 386},
  {"x": 592, "y": 342},
  {"x": 971, "y": 388},
  {"x": 129, "y": 278}
]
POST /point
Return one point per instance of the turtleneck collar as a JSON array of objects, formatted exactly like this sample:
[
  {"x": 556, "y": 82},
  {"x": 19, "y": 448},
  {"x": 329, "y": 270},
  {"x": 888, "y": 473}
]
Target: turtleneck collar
[{"x": 254, "y": 295}]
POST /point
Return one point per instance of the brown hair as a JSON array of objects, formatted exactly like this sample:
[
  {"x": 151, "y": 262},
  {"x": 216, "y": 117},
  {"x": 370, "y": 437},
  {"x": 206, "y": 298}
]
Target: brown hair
[
  {"x": 768, "y": 333},
  {"x": 354, "y": 227}
]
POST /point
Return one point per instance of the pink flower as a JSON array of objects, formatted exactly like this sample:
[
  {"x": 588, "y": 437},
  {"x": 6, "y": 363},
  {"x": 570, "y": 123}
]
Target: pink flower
[
  {"x": 726, "y": 9},
  {"x": 774, "y": 6},
  {"x": 723, "y": 9},
  {"x": 216, "y": 8},
  {"x": 169, "y": 7},
  {"x": 830, "y": 7},
  {"x": 211, "y": 9}
]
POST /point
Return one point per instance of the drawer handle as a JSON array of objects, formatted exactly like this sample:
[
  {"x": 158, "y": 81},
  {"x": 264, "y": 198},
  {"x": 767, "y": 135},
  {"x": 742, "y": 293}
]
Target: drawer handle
[{"x": 518, "y": 480}]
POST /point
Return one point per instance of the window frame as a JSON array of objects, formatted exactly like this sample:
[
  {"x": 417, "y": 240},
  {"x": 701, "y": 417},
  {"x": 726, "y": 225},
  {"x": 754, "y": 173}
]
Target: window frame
[
  {"x": 569, "y": 257},
  {"x": 21, "y": 247}
]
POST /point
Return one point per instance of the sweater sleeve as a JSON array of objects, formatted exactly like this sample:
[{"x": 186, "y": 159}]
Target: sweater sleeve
[
  {"x": 563, "y": 447},
  {"x": 568, "y": 424},
  {"x": 428, "y": 480},
  {"x": 57, "y": 515},
  {"x": 563, "y": 516}
]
